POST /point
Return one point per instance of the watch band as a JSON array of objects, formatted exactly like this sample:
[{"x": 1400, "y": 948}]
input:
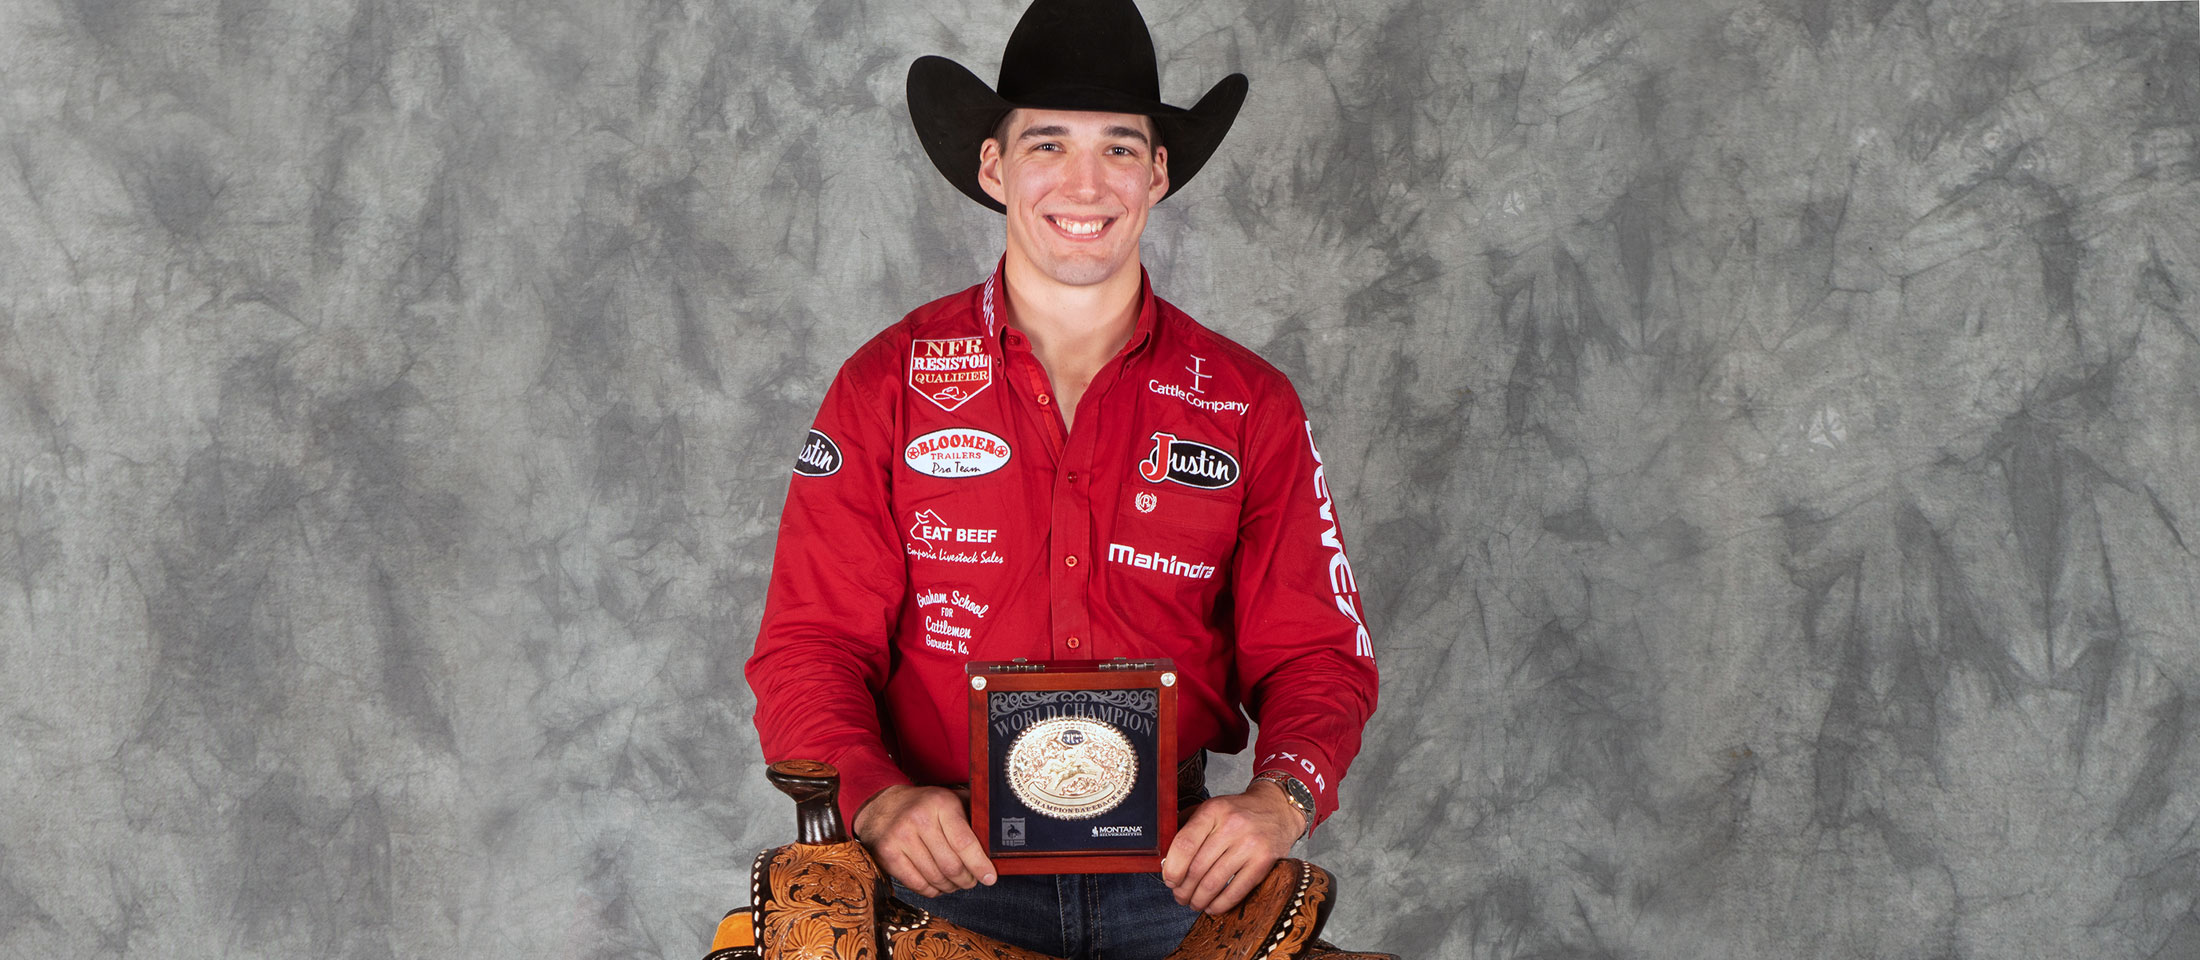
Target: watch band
[{"x": 1294, "y": 790}]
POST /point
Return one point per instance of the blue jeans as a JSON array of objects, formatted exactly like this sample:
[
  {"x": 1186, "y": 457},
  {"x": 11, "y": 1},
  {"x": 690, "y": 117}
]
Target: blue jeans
[{"x": 1094, "y": 916}]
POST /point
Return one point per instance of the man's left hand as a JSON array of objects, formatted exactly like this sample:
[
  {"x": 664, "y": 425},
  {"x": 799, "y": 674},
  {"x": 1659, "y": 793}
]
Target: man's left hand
[{"x": 1229, "y": 844}]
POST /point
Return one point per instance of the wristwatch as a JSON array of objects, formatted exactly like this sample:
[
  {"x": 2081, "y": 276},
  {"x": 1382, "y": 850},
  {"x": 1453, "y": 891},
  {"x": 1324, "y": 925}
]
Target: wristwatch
[{"x": 1295, "y": 791}]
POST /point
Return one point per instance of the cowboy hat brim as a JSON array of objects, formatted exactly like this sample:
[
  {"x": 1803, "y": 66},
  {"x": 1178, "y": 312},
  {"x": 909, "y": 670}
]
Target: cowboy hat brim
[{"x": 954, "y": 112}]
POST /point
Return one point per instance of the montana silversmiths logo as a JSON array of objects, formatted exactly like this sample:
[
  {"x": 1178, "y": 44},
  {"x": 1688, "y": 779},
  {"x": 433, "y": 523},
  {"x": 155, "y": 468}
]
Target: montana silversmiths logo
[
  {"x": 956, "y": 452},
  {"x": 820, "y": 456},
  {"x": 1072, "y": 767},
  {"x": 1188, "y": 462},
  {"x": 949, "y": 372},
  {"x": 1134, "y": 830}
]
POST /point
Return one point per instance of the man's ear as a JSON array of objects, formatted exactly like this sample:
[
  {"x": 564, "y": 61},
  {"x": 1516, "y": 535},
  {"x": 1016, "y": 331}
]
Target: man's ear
[
  {"x": 1160, "y": 176},
  {"x": 989, "y": 171}
]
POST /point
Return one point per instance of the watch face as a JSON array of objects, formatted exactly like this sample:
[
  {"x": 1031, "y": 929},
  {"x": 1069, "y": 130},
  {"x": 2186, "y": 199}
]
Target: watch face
[{"x": 1295, "y": 791}]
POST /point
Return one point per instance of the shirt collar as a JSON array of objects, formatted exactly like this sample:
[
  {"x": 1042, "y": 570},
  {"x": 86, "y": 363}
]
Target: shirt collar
[{"x": 990, "y": 308}]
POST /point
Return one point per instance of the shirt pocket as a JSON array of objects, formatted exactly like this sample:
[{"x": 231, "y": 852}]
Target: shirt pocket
[{"x": 1198, "y": 527}]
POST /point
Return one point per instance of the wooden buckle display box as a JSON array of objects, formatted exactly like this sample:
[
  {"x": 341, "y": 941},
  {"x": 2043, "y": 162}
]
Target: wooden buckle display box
[{"x": 1073, "y": 764}]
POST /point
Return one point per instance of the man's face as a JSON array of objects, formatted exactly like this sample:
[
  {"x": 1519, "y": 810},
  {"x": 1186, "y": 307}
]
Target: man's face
[{"x": 1077, "y": 186}]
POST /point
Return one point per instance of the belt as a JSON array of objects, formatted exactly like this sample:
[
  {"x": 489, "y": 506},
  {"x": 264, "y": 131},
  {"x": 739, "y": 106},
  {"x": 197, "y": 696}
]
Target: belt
[{"x": 1191, "y": 781}]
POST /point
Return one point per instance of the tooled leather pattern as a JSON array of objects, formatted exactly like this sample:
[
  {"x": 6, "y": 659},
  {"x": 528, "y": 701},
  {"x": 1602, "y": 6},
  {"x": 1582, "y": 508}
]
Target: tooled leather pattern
[
  {"x": 823, "y": 902},
  {"x": 939, "y": 940},
  {"x": 1277, "y": 921},
  {"x": 817, "y": 903}
]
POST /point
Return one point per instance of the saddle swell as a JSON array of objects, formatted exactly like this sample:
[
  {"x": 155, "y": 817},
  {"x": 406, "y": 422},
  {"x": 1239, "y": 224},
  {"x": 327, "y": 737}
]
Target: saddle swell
[{"x": 825, "y": 898}]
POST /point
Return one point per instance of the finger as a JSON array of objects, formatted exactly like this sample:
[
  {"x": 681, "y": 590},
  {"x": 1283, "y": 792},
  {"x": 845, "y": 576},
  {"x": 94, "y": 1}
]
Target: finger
[
  {"x": 902, "y": 868},
  {"x": 1214, "y": 877},
  {"x": 969, "y": 852},
  {"x": 1177, "y": 864},
  {"x": 1249, "y": 875},
  {"x": 913, "y": 844},
  {"x": 950, "y": 863}
]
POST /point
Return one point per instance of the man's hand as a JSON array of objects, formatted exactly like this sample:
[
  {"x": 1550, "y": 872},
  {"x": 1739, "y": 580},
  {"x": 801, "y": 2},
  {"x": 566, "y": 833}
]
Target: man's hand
[
  {"x": 922, "y": 837},
  {"x": 1227, "y": 846}
]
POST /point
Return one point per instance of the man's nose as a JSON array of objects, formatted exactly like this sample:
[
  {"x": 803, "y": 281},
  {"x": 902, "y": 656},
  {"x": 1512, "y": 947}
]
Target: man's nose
[{"x": 1087, "y": 176}]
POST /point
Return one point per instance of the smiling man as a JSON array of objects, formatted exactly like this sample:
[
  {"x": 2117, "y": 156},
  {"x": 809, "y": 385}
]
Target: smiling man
[{"x": 1057, "y": 464}]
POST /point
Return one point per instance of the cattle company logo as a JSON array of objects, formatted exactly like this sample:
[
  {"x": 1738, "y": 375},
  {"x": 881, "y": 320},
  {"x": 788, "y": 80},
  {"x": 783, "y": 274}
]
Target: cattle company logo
[
  {"x": 1196, "y": 393},
  {"x": 933, "y": 538},
  {"x": 957, "y": 452},
  {"x": 1191, "y": 464},
  {"x": 820, "y": 457},
  {"x": 1072, "y": 767},
  {"x": 949, "y": 372}
]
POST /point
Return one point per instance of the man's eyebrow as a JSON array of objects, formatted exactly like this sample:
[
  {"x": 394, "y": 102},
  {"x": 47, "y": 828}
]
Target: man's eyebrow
[
  {"x": 1057, "y": 130},
  {"x": 1129, "y": 133}
]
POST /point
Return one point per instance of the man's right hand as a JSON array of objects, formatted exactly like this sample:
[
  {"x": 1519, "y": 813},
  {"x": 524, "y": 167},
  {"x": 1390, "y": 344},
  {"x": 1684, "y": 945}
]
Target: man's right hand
[{"x": 922, "y": 837}]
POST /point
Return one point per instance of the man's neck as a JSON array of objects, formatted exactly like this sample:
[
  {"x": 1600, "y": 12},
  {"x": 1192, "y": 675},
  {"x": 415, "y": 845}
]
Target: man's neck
[{"x": 1074, "y": 330}]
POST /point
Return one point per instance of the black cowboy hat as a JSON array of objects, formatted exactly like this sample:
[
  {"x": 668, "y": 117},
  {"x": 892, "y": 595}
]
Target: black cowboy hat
[{"x": 1065, "y": 55}]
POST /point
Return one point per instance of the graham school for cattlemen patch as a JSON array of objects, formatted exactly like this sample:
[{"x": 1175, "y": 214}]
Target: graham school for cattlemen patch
[{"x": 949, "y": 372}]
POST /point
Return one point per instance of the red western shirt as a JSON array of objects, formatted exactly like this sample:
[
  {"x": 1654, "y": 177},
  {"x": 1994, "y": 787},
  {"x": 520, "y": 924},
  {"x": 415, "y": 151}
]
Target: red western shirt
[{"x": 940, "y": 513}]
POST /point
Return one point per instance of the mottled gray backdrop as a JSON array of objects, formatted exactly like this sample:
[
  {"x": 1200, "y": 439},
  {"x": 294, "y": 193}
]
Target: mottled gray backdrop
[{"x": 1767, "y": 430}]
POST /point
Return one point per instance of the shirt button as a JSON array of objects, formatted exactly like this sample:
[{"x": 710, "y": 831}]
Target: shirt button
[
  {"x": 1073, "y": 643},
  {"x": 1072, "y": 561},
  {"x": 1073, "y": 476},
  {"x": 1044, "y": 399}
]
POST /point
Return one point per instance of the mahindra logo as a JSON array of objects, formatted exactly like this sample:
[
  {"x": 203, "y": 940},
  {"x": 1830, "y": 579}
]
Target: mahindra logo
[{"x": 1188, "y": 462}]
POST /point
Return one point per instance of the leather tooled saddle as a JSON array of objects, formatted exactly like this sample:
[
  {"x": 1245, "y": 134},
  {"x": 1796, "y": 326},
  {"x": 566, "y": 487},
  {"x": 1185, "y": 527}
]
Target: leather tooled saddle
[{"x": 824, "y": 898}]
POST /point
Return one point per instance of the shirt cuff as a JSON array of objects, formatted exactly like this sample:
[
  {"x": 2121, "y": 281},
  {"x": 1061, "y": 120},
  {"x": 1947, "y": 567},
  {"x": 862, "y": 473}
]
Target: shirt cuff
[
  {"x": 1310, "y": 765},
  {"x": 860, "y": 780}
]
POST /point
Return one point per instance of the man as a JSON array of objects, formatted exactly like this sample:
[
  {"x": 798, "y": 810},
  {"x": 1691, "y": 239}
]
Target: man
[{"x": 1056, "y": 464}]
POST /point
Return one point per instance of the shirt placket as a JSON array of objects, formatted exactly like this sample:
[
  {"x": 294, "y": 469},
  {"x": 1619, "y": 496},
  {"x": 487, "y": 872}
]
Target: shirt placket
[{"x": 1070, "y": 551}]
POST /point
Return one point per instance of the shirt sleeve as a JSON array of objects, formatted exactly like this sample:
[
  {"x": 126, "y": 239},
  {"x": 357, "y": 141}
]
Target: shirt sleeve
[
  {"x": 825, "y": 647},
  {"x": 1304, "y": 655}
]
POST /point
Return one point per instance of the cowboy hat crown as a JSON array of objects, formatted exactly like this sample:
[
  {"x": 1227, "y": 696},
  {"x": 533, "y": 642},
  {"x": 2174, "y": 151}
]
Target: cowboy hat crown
[{"x": 1065, "y": 55}]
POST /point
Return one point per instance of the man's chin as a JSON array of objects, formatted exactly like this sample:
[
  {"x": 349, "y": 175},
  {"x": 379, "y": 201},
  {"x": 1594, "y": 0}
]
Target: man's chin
[{"x": 1082, "y": 273}]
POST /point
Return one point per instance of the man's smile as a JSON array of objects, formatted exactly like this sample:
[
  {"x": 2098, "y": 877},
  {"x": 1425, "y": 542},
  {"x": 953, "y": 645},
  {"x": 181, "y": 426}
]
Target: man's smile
[{"x": 1080, "y": 228}]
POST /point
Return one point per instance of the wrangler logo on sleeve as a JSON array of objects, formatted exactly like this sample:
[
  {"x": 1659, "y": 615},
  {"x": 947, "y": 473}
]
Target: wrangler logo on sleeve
[{"x": 949, "y": 372}]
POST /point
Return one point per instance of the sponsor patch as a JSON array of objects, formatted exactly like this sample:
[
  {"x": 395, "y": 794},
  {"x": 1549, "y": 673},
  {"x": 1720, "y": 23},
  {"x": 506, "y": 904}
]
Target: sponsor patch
[
  {"x": 950, "y": 618},
  {"x": 949, "y": 372},
  {"x": 931, "y": 537},
  {"x": 1170, "y": 564},
  {"x": 1147, "y": 501},
  {"x": 820, "y": 456},
  {"x": 1340, "y": 569},
  {"x": 1188, "y": 462},
  {"x": 1196, "y": 393},
  {"x": 956, "y": 452}
]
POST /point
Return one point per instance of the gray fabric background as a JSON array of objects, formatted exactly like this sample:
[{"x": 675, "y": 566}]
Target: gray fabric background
[{"x": 1766, "y": 431}]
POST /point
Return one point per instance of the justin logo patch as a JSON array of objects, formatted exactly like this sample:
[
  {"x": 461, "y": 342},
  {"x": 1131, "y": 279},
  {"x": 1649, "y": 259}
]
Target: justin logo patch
[
  {"x": 820, "y": 456},
  {"x": 1192, "y": 464},
  {"x": 949, "y": 372}
]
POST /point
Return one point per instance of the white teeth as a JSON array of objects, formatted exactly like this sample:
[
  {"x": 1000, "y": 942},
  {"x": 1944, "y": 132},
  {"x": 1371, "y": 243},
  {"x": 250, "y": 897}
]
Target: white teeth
[{"x": 1079, "y": 228}]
